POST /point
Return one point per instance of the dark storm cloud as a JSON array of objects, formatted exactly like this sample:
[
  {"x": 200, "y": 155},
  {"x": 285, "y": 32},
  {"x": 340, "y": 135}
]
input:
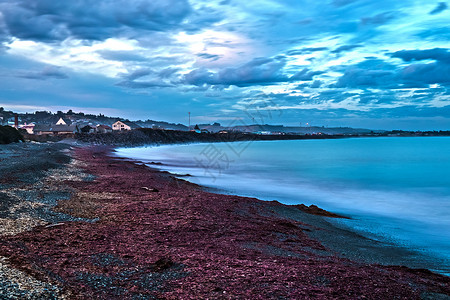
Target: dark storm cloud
[
  {"x": 46, "y": 73},
  {"x": 439, "y": 54},
  {"x": 439, "y": 8},
  {"x": 48, "y": 20}
]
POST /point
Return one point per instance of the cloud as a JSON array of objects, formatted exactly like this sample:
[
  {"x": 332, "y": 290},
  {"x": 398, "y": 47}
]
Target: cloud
[
  {"x": 305, "y": 75},
  {"x": 204, "y": 51},
  {"x": 153, "y": 79},
  {"x": 136, "y": 74},
  {"x": 355, "y": 77},
  {"x": 340, "y": 3},
  {"x": 121, "y": 55},
  {"x": 259, "y": 71},
  {"x": 201, "y": 77},
  {"x": 49, "y": 72},
  {"x": 201, "y": 17},
  {"x": 439, "y": 54},
  {"x": 439, "y": 8},
  {"x": 378, "y": 74},
  {"x": 435, "y": 33},
  {"x": 167, "y": 72},
  {"x": 143, "y": 84},
  {"x": 316, "y": 84},
  {"x": 379, "y": 19},
  {"x": 306, "y": 50},
  {"x": 212, "y": 57},
  {"x": 431, "y": 73},
  {"x": 345, "y": 48},
  {"x": 46, "y": 20}
]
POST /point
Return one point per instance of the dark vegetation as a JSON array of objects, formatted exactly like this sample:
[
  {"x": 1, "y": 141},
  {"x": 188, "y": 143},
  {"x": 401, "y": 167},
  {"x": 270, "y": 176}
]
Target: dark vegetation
[
  {"x": 158, "y": 136},
  {"x": 9, "y": 135}
]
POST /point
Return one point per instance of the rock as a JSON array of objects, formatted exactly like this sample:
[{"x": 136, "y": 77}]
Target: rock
[
  {"x": 314, "y": 210},
  {"x": 154, "y": 190}
]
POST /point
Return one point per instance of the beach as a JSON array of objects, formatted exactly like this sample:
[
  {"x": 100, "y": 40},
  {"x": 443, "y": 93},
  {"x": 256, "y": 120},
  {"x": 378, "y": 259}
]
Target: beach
[{"x": 80, "y": 223}]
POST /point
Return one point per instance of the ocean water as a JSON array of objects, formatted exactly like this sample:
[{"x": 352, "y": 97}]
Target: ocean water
[{"x": 396, "y": 189}]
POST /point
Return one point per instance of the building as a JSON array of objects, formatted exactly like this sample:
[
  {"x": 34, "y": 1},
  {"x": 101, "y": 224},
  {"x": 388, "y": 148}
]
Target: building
[
  {"x": 28, "y": 127},
  {"x": 103, "y": 129},
  {"x": 61, "y": 122},
  {"x": 55, "y": 129},
  {"x": 124, "y": 125},
  {"x": 88, "y": 129}
]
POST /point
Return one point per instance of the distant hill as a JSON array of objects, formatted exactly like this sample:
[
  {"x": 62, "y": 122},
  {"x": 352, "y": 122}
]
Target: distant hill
[
  {"x": 45, "y": 117},
  {"x": 289, "y": 129}
]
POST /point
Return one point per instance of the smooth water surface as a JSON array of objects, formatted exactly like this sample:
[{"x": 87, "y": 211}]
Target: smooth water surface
[{"x": 395, "y": 189}]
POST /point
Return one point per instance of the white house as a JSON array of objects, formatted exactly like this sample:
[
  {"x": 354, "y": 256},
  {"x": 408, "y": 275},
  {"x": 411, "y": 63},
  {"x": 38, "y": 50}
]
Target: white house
[
  {"x": 61, "y": 122},
  {"x": 124, "y": 125},
  {"x": 28, "y": 127}
]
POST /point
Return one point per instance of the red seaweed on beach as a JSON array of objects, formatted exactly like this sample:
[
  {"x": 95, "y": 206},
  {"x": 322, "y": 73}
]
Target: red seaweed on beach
[{"x": 155, "y": 236}]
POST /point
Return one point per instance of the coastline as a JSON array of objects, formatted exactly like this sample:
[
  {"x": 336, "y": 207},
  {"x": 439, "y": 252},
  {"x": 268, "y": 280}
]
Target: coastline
[
  {"x": 140, "y": 232},
  {"x": 355, "y": 243}
]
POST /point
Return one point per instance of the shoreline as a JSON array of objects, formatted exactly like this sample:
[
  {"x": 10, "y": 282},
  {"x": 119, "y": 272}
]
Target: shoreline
[
  {"x": 180, "y": 161},
  {"x": 141, "y": 232},
  {"x": 375, "y": 248}
]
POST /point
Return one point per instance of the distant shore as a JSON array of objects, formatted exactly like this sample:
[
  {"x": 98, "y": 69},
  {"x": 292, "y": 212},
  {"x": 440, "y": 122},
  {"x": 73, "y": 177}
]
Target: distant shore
[
  {"x": 84, "y": 224},
  {"x": 146, "y": 136}
]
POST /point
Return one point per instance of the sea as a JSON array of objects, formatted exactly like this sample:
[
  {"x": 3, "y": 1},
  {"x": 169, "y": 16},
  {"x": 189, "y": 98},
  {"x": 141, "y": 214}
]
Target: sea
[{"x": 395, "y": 189}]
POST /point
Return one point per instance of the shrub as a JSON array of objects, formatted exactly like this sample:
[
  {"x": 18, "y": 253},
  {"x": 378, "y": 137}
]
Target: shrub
[{"x": 9, "y": 135}]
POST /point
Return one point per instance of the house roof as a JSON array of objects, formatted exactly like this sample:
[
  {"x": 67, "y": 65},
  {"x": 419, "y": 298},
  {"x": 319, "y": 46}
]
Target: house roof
[
  {"x": 103, "y": 126},
  {"x": 55, "y": 128},
  {"x": 131, "y": 124},
  {"x": 64, "y": 121}
]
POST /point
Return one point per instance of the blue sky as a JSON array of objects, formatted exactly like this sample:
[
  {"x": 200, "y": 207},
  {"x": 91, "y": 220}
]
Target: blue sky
[{"x": 362, "y": 63}]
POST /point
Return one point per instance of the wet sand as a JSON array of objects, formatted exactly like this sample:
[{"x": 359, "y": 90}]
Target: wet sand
[{"x": 89, "y": 225}]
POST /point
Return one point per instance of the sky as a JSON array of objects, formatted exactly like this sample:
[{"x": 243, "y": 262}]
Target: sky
[{"x": 361, "y": 63}]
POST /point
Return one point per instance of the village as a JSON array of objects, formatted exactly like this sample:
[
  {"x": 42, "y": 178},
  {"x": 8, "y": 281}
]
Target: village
[
  {"x": 46, "y": 123},
  {"x": 69, "y": 123}
]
